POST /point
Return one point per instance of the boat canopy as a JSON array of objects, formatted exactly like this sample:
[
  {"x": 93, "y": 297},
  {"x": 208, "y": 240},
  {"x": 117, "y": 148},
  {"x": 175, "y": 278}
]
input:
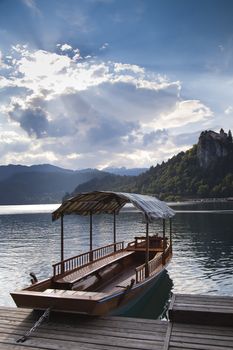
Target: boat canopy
[{"x": 106, "y": 202}]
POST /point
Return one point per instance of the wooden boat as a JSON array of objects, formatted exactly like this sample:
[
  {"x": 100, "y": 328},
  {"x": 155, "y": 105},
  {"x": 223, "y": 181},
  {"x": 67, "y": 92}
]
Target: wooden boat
[{"x": 110, "y": 279}]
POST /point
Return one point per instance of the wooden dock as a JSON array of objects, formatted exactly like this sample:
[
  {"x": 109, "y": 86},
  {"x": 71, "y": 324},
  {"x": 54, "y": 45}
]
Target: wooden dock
[
  {"x": 201, "y": 309},
  {"x": 74, "y": 332},
  {"x": 196, "y": 324}
]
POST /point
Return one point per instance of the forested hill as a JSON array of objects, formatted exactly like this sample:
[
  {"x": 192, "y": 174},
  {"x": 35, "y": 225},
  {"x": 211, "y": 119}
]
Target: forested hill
[
  {"x": 39, "y": 183},
  {"x": 44, "y": 183},
  {"x": 205, "y": 170}
]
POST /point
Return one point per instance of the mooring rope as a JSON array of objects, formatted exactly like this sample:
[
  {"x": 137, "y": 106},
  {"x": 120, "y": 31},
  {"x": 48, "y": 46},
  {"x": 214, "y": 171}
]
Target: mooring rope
[{"x": 36, "y": 325}]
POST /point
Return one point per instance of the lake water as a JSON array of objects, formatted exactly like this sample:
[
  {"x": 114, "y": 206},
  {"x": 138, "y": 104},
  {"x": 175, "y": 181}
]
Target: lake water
[{"x": 202, "y": 247}]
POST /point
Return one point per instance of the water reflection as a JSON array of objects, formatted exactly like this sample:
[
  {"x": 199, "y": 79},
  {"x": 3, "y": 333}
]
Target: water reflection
[
  {"x": 155, "y": 303},
  {"x": 203, "y": 253}
]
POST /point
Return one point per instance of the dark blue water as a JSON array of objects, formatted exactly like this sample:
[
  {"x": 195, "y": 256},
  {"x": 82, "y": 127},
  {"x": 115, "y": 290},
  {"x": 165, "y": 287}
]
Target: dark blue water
[{"x": 202, "y": 260}]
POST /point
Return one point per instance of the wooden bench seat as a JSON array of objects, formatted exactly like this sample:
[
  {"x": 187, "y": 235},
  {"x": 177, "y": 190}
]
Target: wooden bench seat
[
  {"x": 75, "y": 294},
  {"x": 94, "y": 267}
]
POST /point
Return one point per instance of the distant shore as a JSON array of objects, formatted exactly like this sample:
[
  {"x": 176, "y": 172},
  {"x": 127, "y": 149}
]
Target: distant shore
[{"x": 227, "y": 199}]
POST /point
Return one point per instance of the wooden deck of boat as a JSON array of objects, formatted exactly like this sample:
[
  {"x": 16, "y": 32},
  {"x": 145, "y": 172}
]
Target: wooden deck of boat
[
  {"x": 68, "y": 332},
  {"x": 93, "y": 267}
]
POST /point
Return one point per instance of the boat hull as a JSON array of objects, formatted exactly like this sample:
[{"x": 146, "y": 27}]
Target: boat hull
[{"x": 85, "y": 302}]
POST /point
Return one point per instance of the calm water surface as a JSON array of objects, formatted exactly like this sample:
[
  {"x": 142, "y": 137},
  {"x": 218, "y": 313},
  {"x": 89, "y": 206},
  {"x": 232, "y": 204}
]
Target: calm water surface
[{"x": 202, "y": 241}]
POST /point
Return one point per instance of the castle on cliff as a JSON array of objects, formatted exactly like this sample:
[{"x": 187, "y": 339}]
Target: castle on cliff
[{"x": 212, "y": 145}]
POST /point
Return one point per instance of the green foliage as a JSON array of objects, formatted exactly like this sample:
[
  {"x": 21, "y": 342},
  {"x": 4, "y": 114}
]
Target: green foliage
[
  {"x": 179, "y": 177},
  {"x": 203, "y": 190}
]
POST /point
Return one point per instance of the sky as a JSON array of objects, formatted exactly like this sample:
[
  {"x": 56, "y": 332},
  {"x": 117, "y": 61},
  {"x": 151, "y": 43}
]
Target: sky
[{"x": 112, "y": 83}]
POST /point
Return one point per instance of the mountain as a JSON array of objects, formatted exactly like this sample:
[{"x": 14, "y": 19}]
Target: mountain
[
  {"x": 125, "y": 171},
  {"x": 40, "y": 183},
  {"x": 205, "y": 170},
  {"x": 8, "y": 170}
]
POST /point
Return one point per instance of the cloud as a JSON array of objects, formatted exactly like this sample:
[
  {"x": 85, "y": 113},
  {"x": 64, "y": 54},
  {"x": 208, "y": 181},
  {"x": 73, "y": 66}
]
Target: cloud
[
  {"x": 186, "y": 139},
  {"x": 104, "y": 46},
  {"x": 65, "y": 47},
  {"x": 77, "y": 17},
  {"x": 158, "y": 136},
  {"x": 184, "y": 113},
  {"x": 31, "y": 4},
  {"x": 13, "y": 141},
  {"x": 123, "y": 67},
  {"x": 228, "y": 110},
  {"x": 1, "y": 63},
  {"x": 33, "y": 120},
  {"x": 80, "y": 113},
  {"x": 110, "y": 132}
]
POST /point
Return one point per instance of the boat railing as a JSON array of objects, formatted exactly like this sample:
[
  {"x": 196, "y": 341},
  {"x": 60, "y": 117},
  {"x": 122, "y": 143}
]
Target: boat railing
[
  {"x": 84, "y": 259},
  {"x": 152, "y": 265},
  {"x": 155, "y": 241}
]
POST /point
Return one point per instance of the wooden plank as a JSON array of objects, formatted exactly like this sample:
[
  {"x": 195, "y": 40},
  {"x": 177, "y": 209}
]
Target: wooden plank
[
  {"x": 82, "y": 335},
  {"x": 199, "y": 309},
  {"x": 85, "y": 334},
  {"x": 172, "y": 302},
  {"x": 111, "y": 324},
  {"x": 201, "y": 340},
  {"x": 203, "y": 336},
  {"x": 203, "y": 303},
  {"x": 46, "y": 338},
  {"x": 36, "y": 344},
  {"x": 203, "y": 296},
  {"x": 8, "y": 346},
  {"x": 75, "y": 318},
  {"x": 167, "y": 337},
  {"x": 202, "y": 308},
  {"x": 156, "y": 331},
  {"x": 75, "y": 294},
  {"x": 105, "y": 323},
  {"x": 82, "y": 332},
  {"x": 216, "y": 319},
  {"x": 193, "y": 346},
  {"x": 16, "y": 311},
  {"x": 202, "y": 329},
  {"x": 204, "y": 299}
]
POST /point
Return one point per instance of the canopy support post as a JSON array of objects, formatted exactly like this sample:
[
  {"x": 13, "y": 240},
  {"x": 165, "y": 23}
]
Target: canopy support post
[
  {"x": 147, "y": 250},
  {"x": 62, "y": 243},
  {"x": 114, "y": 231},
  {"x": 170, "y": 221},
  {"x": 164, "y": 242},
  {"x": 91, "y": 252}
]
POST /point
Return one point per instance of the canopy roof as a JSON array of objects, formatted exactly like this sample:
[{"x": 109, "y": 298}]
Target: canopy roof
[{"x": 102, "y": 202}]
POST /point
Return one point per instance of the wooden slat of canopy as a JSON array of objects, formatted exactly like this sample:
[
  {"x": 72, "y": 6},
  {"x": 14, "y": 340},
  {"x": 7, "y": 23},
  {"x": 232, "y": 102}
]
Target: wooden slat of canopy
[{"x": 106, "y": 202}]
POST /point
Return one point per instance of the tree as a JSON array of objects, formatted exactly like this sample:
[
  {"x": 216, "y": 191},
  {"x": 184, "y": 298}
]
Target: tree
[
  {"x": 203, "y": 190},
  {"x": 229, "y": 136}
]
